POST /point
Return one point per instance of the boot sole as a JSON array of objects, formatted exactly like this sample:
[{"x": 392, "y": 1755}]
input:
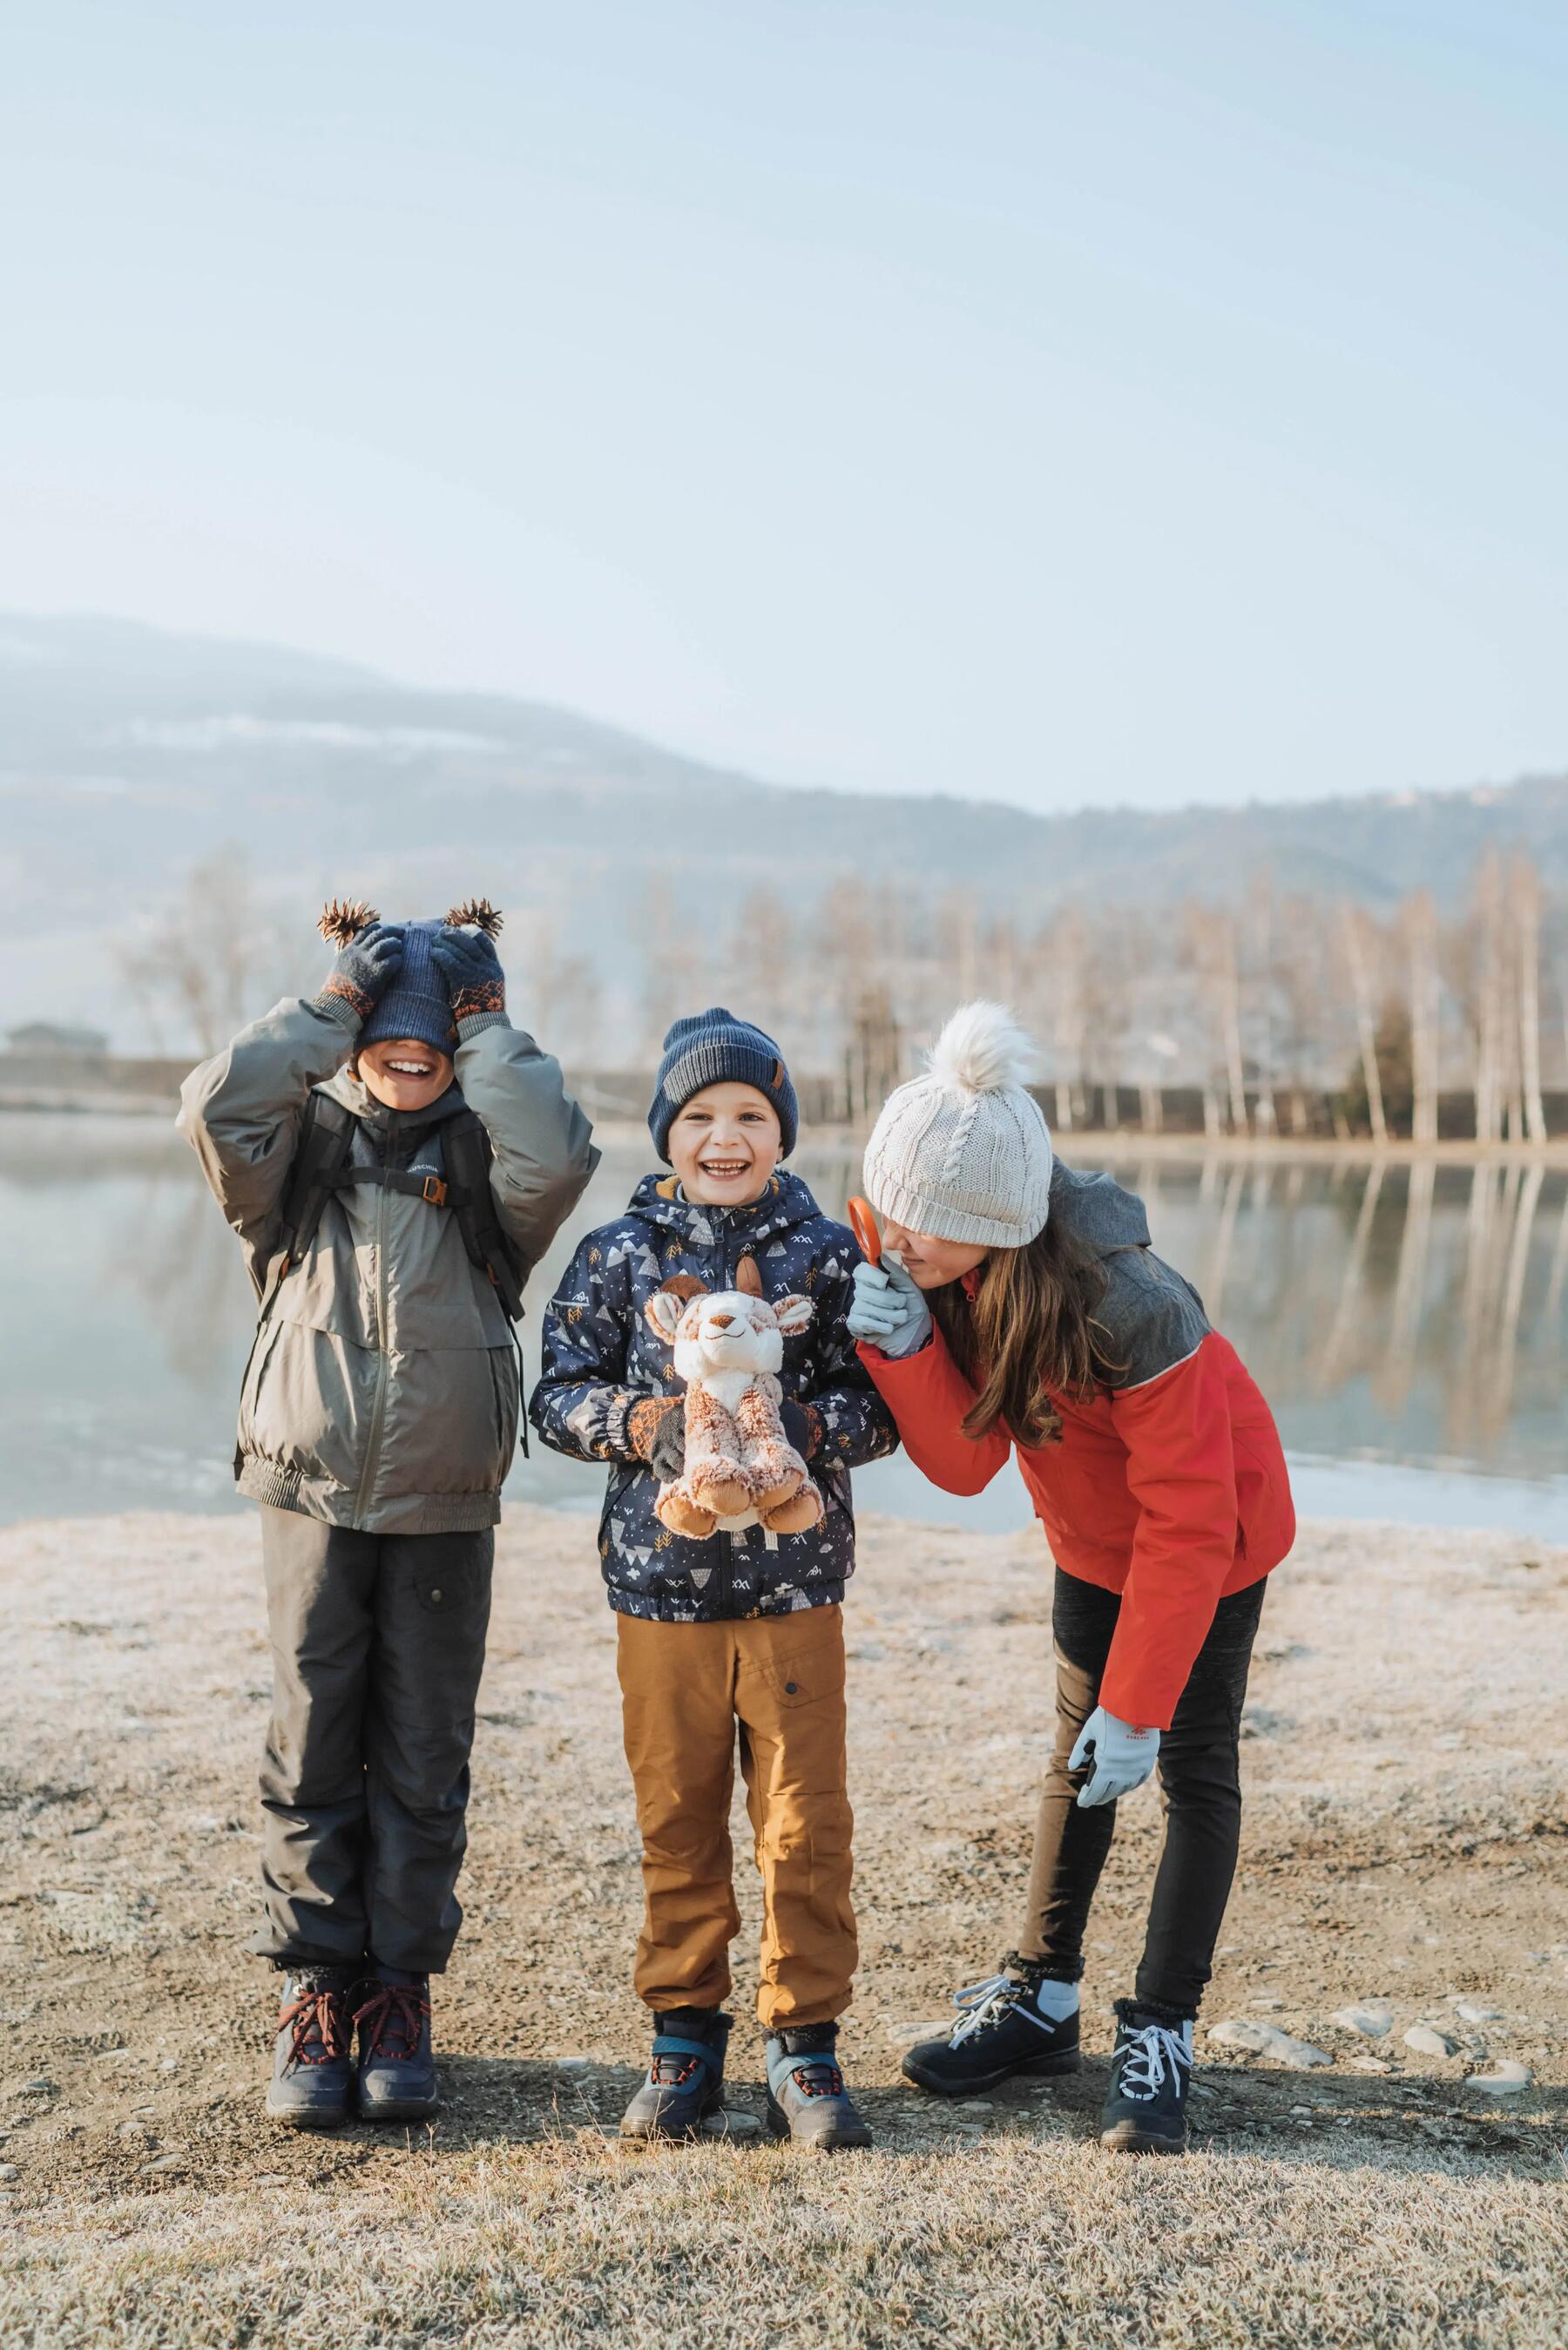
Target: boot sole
[
  {"x": 1050, "y": 2067},
  {"x": 652, "y": 2134},
  {"x": 837, "y": 2141},
  {"x": 1126, "y": 2137}
]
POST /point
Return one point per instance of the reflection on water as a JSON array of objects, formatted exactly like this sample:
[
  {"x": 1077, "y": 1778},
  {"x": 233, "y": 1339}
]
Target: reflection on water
[{"x": 1410, "y": 1315}]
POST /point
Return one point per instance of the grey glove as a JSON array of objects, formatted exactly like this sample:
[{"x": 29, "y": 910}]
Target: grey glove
[
  {"x": 362, "y": 973},
  {"x": 470, "y": 967},
  {"x": 1120, "y": 1758},
  {"x": 889, "y": 1311}
]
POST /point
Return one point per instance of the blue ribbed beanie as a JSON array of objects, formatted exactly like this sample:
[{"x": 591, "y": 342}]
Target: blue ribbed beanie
[
  {"x": 417, "y": 1004},
  {"x": 705, "y": 1050}
]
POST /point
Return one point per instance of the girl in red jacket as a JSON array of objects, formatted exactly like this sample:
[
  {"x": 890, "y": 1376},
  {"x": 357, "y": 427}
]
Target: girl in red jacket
[{"x": 1018, "y": 1306}]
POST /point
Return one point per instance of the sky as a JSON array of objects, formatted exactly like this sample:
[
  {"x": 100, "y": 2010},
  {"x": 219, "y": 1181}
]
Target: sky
[{"x": 1077, "y": 406}]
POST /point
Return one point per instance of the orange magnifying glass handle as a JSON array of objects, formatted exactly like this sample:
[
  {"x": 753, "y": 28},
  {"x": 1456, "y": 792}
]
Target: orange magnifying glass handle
[{"x": 863, "y": 1223}]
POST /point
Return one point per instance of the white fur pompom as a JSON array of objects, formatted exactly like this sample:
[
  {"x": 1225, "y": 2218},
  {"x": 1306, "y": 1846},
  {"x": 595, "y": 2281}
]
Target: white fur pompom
[{"x": 981, "y": 1049}]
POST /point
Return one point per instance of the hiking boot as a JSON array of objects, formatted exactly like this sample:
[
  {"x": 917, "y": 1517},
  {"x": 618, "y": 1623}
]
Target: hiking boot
[
  {"x": 397, "y": 2063},
  {"x": 808, "y": 2100},
  {"x": 1002, "y": 2030},
  {"x": 1151, "y": 2065},
  {"x": 685, "y": 2081},
  {"x": 312, "y": 2071}
]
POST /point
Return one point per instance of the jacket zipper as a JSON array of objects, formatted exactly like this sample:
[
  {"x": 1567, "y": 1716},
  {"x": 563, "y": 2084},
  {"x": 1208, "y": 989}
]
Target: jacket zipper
[{"x": 378, "y": 1406}]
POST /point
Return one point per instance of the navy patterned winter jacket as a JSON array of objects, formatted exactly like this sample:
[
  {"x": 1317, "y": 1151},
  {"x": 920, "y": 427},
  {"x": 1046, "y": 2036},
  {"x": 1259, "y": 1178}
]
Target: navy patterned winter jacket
[{"x": 601, "y": 1356}]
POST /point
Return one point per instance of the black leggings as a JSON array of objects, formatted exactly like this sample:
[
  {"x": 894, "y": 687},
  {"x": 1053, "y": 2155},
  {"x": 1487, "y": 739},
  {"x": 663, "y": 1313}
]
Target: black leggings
[{"x": 1199, "y": 1788}]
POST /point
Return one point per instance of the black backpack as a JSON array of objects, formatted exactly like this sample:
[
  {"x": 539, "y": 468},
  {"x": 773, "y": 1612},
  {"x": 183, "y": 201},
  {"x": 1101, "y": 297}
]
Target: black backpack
[{"x": 321, "y": 1166}]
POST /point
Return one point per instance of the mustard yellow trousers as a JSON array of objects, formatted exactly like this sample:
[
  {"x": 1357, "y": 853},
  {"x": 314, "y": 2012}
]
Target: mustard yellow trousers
[{"x": 772, "y": 1685}]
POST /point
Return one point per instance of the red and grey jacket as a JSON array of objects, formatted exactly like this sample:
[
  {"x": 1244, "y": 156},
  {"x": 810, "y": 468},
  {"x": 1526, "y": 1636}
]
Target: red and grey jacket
[{"x": 1168, "y": 1484}]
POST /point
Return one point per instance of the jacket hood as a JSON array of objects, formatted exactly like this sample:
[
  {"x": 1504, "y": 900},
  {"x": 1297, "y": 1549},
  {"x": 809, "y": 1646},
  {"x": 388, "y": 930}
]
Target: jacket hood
[
  {"x": 1099, "y": 1210},
  {"x": 786, "y": 1201}
]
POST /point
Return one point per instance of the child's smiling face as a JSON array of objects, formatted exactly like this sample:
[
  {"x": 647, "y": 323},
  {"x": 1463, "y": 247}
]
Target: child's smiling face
[
  {"x": 404, "y": 1074},
  {"x": 724, "y": 1145}
]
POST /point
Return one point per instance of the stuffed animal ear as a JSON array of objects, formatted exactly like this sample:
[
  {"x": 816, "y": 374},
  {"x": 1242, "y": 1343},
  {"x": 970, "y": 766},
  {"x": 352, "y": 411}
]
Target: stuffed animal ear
[
  {"x": 748, "y": 1280},
  {"x": 343, "y": 920},
  {"x": 476, "y": 914},
  {"x": 793, "y": 1313},
  {"x": 666, "y": 1306}
]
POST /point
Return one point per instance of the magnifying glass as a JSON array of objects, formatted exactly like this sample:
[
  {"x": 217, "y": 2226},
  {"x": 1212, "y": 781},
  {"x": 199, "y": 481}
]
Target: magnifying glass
[{"x": 863, "y": 1225}]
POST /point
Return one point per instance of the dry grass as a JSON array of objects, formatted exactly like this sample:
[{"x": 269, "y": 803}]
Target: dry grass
[
  {"x": 1401, "y": 1841},
  {"x": 1015, "y": 2242}
]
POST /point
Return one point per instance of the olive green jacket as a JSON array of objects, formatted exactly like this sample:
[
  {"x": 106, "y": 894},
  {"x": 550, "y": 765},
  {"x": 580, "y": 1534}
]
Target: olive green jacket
[{"x": 382, "y": 1391}]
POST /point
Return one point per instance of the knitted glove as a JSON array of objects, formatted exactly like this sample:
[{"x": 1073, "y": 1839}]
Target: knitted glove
[
  {"x": 1120, "y": 1758},
  {"x": 656, "y": 1427},
  {"x": 361, "y": 975},
  {"x": 889, "y": 1311},
  {"x": 470, "y": 967},
  {"x": 802, "y": 1427}
]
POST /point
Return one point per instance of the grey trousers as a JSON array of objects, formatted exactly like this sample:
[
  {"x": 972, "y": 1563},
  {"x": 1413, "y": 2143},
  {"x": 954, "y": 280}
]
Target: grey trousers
[{"x": 378, "y": 1642}]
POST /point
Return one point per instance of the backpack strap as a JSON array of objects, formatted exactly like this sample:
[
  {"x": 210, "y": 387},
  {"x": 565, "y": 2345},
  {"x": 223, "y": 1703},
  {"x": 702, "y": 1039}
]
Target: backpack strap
[{"x": 469, "y": 1158}]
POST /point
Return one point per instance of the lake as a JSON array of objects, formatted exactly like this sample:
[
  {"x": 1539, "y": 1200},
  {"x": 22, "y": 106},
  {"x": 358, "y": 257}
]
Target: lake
[{"x": 1408, "y": 1324}]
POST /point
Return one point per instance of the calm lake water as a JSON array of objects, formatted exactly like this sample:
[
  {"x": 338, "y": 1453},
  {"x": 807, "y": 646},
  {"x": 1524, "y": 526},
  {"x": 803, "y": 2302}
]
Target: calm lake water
[{"x": 1409, "y": 1326}]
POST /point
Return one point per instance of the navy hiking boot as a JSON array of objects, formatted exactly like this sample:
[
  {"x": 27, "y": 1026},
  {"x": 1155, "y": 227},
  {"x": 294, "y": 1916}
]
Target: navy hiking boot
[
  {"x": 685, "y": 2080},
  {"x": 312, "y": 2070},
  {"x": 1001, "y": 2030},
  {"x": 397, "y": 2063},
  {"x": 808, "y": 2100},
  {"x": 1151, "y": 2065}
]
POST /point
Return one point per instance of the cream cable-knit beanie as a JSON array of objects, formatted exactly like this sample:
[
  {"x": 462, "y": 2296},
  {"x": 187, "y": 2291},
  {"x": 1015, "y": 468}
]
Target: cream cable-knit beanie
[{"x": 963, "y": 1152}]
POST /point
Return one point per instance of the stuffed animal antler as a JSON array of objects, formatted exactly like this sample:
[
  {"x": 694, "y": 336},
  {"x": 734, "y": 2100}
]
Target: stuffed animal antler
[{"x": 741, "y": 1467}]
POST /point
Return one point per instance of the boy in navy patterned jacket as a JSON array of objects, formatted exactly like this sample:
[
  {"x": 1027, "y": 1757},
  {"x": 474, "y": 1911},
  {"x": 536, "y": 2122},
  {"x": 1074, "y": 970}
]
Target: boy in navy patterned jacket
[{"x": 738, "y": 1627}]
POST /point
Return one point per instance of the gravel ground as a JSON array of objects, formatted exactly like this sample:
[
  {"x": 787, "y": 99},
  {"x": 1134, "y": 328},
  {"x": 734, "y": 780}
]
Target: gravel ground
[{"x": 1404, "y": 1845}]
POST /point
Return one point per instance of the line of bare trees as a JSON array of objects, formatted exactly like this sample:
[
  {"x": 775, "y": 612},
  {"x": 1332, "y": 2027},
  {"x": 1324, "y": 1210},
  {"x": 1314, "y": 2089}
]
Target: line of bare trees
[{"x": 1290, "y": 1012}]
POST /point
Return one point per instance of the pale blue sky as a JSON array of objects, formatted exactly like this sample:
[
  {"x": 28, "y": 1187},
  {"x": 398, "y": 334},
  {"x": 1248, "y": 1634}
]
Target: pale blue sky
[{"x": 1134, "y": 402}]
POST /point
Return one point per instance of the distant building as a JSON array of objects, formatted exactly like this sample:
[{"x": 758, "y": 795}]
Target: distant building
[{"x": 43, "y": 1036}]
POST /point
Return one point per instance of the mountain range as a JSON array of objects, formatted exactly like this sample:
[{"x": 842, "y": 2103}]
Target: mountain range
[{"x": 127, "y": 754}]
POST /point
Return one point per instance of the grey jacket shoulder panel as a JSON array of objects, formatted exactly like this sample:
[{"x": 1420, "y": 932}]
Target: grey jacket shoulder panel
[{"x": 1150, "y": 1319}]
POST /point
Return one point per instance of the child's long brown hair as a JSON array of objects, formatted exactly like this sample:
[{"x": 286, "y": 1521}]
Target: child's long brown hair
[{"x": 1030, "y": 1330}]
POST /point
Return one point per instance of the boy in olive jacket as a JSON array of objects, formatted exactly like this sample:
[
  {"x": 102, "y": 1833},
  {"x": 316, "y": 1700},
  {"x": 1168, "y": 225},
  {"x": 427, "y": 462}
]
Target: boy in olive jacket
[{"x": 393, "y": 1156}]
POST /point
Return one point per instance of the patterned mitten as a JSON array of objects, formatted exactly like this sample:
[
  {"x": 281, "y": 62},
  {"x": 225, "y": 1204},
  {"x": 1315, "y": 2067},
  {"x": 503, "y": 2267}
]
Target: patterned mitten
[
  {"x": 656, "y": 1427},
  {"x": 362, "y": 973},
  {"x": 470, "y": 967}
]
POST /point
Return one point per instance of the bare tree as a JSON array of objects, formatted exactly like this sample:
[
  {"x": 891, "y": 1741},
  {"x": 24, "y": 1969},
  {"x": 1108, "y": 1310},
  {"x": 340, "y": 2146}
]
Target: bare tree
[
  {"x": 562, "y": 993},
  {"x": 1063, "y": 956},
  {"x": 1524, "y": 883},
  {"x": 1358, "y": 962},
  {"x": 1420, "y": 924},
  {"x": 674, "y": 956},
  {"x": 1211, "y": 945},
  {"x": 200, "y": 966}
]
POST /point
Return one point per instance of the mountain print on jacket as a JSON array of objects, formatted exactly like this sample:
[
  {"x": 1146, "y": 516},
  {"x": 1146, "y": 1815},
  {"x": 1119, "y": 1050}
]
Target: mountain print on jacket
[{"x": 601, "y": 1356}]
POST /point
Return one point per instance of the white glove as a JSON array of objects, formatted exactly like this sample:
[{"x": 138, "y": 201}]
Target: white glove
[
  {"x": 1120, "y": 1758},
  {"x": 888, "y": 1310}
]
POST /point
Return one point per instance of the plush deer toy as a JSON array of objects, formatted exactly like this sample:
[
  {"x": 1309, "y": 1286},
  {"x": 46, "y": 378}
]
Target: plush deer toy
[{"x": 741, "y": 1467}]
